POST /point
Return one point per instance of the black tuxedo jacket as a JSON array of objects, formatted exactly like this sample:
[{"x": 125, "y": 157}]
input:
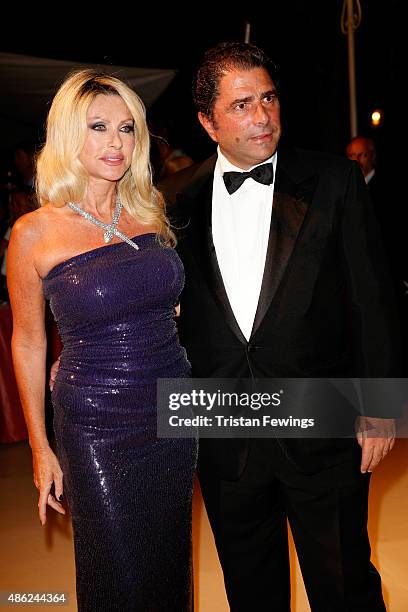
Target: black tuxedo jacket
[{"x": 325, "y": 307}]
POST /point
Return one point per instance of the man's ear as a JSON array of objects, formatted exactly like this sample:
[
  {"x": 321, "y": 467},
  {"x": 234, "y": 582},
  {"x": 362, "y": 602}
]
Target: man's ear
[{"x": 208, "y": 126}]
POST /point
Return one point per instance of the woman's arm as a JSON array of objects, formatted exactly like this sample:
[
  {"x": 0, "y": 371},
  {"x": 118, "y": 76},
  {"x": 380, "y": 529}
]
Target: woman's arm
[{"x": 29, "y": 346}]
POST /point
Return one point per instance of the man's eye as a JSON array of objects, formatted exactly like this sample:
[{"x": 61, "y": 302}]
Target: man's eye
[
  {"x": 270, "y": 98},
  {"x": 128, "y": 129},
  {"x": 241, "y": 106}
]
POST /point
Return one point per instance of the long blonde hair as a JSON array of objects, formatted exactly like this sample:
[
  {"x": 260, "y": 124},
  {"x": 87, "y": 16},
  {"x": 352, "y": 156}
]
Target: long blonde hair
[{"x": 61, "y": 177}]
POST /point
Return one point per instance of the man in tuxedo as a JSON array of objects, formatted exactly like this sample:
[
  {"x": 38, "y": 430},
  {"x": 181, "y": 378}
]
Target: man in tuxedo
[{"x": 284, "y": 278}]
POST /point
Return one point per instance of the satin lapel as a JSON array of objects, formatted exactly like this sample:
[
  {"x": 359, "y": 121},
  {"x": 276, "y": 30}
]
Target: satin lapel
[
  {"x": 202, "y": 246},
  {"x": 290, "y": 204}
]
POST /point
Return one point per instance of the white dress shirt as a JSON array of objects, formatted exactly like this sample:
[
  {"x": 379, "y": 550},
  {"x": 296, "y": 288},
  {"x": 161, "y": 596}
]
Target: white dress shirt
[
  {"x": 369, "y": 176},
  {"x": 240, "y": 227}
]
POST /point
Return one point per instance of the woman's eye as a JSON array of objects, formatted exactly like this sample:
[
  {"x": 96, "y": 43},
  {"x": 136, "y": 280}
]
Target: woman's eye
[
  {"x": 99, "y": 127},
  {"x": 128, "y": 129}
]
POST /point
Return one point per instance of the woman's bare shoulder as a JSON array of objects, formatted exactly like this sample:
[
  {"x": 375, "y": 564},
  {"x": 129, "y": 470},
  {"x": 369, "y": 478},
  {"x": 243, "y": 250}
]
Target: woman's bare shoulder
[{"x": 32, "y": 226}]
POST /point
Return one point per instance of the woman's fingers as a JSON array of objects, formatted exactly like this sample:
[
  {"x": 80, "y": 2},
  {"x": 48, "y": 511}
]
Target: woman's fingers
[
  {"x": 58, "y": 485},
  {"x": 55, "y": 504},
  {"x": 42, "y": 503},
  {"x": 53, "y": 373},
  {"x": 48, "y": 478},
  {"x": 46, "y": 498}
]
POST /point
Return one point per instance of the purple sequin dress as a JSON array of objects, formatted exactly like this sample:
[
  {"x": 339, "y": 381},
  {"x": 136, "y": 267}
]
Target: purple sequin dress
[{"x": 129, "y": 493}]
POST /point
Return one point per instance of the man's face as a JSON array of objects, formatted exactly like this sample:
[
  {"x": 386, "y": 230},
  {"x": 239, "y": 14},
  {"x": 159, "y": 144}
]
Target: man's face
[
  {"x": 362, "y": 152},
  {"x": 246, "y": 117}
]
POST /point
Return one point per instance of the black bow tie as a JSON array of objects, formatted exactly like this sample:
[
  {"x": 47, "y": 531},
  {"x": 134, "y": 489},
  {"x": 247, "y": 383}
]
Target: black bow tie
[{"x": 262, "y": 174}]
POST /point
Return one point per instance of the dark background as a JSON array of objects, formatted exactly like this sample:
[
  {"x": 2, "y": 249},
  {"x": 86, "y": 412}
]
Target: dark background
[{"x": 302, "y": 37}]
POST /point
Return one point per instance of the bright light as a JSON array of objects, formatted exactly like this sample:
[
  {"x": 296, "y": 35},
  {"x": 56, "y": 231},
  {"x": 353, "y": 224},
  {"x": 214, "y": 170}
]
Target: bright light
[{"x": 377, "y": 117}]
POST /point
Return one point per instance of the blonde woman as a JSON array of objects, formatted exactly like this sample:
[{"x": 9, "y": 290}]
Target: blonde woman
[{"x": 100, "y": 249}]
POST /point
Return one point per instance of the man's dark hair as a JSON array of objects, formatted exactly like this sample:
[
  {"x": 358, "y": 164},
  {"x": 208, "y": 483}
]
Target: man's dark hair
[{"x": 218, "y": 60}]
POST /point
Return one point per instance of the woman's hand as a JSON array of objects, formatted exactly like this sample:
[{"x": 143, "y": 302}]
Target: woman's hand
[
  {"x": 53, "y": 373},
  {"x": 47, "y": 472}
]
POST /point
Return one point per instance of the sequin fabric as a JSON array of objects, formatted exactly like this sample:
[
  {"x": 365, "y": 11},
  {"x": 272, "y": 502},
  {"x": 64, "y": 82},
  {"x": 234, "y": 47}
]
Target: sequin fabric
[{"x": 129, "y": 493}]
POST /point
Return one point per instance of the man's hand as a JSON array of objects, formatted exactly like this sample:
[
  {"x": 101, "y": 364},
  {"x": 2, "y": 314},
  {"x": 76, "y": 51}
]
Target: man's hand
[
  {"x": 376, "y": 438},
  {"x": 53, "y": 374}
]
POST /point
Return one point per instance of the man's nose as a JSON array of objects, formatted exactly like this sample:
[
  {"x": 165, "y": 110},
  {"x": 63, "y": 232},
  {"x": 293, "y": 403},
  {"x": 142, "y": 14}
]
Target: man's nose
[{"x": 261, "y": 116}]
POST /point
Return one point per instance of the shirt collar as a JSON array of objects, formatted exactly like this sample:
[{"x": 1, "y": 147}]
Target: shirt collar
[
  {"x": 369, "y": 176},
  {"x": 226, "y": 166}
]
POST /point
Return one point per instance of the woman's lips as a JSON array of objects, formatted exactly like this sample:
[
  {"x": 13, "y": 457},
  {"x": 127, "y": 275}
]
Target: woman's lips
[{"x": 112, "y": 161}]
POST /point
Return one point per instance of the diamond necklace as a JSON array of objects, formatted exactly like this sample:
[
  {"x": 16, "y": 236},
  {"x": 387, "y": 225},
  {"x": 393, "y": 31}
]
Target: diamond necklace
[{"x": 110, "y": 228}]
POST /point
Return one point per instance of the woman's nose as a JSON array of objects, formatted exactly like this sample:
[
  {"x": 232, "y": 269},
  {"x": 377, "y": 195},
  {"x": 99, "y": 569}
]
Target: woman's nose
[{"x": 115, "y": 140}]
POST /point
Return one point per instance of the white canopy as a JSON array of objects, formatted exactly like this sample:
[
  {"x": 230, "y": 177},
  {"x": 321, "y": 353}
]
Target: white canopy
[{"x": 27, "y": 86}]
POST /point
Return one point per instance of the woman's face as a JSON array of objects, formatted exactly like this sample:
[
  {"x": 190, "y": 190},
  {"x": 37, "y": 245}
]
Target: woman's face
[{"x": 110, "y": 140}]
